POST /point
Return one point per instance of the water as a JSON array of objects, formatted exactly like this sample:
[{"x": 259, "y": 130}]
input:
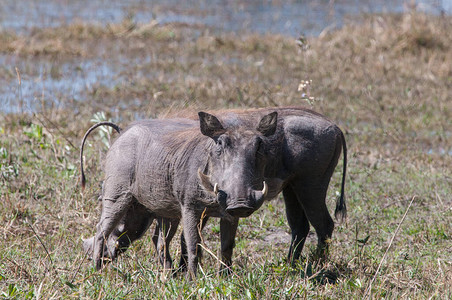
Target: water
[
  {"x": 283, "y": 17},
  {"x": 70, "y": 81},
  {"x": 57, "y": 83}
]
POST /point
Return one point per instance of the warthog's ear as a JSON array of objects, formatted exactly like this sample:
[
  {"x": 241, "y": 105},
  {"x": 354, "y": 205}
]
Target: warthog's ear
[
  {"x": 267, "y": 125},
  {"x": 210, "y": 125}
]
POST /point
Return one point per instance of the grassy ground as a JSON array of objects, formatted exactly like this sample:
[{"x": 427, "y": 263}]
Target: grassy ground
[{"x": 386, "y": 80}]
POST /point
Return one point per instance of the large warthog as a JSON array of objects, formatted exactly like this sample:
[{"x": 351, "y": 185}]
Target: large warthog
[{"x": 226, "y": 167}]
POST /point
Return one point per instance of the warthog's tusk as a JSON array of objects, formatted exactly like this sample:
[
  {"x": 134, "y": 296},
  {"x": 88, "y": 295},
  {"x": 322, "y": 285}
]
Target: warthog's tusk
[
  {"x": 215, "y": 188},
  {"x": 265, "y": 189}
]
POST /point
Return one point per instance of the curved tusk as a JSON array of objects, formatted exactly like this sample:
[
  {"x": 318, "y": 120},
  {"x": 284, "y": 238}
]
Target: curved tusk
[
  {"x": 215, "y": 188},
  {"x": 265, "y": 189}
]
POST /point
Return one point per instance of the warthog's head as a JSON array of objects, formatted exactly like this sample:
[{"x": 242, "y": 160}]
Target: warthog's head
[{"x": 237, "y": 160}]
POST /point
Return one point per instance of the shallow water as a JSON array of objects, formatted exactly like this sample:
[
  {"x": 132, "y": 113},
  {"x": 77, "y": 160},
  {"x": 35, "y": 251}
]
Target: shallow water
[
  {"x": 72, "y": 80},
  {"x": 43, "y": 79},
  {"x": 283, "y": 17}
]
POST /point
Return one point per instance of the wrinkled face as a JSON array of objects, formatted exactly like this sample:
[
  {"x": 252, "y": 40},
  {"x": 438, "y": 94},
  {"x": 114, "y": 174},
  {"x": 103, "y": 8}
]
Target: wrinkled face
[{"x": 237, "y": 163}]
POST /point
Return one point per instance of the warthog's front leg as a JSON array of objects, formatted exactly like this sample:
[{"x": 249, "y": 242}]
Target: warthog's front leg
[
  {"x": 228, "y": 229},
  {"x": 183, "y": 245},
  {"x": 191, "y": 221}
]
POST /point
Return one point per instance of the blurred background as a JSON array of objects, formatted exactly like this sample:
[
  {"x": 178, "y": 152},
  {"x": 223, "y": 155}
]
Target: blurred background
[
  {"x": 292, "y": 18},
  {"x": 73, "y": 78}
]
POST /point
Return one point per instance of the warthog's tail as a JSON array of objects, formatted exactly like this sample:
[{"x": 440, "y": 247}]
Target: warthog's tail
[
  {"x": 341, "y": 208},
  {"x": 111, "y": 124}
]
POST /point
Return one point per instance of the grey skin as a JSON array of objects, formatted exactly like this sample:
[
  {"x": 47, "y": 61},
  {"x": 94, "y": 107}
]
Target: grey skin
[
  {"x": 299, "y": 159},
  {"x": 179, "y": 169}
]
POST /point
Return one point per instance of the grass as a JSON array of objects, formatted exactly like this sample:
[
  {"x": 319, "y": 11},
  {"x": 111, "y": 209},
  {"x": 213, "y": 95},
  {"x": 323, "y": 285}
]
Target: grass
[{"x": 385, "y": 79}]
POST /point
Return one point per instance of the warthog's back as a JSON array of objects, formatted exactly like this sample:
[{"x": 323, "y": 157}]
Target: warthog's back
[{"x": 154, "y": 156}]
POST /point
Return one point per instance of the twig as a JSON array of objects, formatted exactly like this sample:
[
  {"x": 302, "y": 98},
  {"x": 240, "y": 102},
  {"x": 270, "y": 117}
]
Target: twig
[
  {"x": 367, "y": 293},
  {"x": 79, "y": 266},
  {"x": 215, "y": 257},
  {"x": 202, "y": 244},
  {"x": 54, "y": 126},
  {"x": 21, "y": 100},
  {"x": 40, "y": 241}
]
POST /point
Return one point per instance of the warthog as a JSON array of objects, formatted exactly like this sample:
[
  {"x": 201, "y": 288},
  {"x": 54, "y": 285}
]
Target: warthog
[{"x": 189, "y": 169}]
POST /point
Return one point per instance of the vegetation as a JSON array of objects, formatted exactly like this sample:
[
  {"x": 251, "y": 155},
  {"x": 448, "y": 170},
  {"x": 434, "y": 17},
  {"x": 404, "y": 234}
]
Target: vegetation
[{"x": 385, "y": 79}]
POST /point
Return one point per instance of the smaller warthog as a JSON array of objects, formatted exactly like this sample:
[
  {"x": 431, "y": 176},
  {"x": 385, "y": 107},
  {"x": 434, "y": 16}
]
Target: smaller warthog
[
  {"x": 227, "y": 166},
  {"x": 168, "y": 168}
]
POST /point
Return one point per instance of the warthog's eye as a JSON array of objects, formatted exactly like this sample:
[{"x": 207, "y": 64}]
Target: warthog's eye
[
  {"x": 260, "y": 151},
  {"x": 260, "y": 155},
  {"x": 219, "y": 147},
  {"x": 218, "y": 151}
]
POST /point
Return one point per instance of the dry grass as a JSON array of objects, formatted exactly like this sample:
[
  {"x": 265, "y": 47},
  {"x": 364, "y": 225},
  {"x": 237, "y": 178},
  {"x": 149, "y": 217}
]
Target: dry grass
[{"x": 385, "y": 80}]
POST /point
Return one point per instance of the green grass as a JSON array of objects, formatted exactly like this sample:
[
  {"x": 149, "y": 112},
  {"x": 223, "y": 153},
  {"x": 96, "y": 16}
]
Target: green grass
[{"x": 385, "y": 81}]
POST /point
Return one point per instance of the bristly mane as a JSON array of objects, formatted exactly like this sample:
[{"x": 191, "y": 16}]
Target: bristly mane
[
  {"x": 192, "y": 113},
  {"x": 181, "y": 145}
]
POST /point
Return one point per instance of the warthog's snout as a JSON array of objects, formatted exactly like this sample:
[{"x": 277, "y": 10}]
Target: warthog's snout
[
  {"x": 244, "y": 207},
  {"x": 240, "y": 209},
  {"x": 235, "y": 206}
]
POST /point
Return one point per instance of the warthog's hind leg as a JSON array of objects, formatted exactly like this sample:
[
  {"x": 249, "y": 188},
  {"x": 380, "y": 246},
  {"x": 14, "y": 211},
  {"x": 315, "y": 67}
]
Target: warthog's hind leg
[
  {"x": 312, "y": 198},
  {"x": 298, "y": 224}
]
